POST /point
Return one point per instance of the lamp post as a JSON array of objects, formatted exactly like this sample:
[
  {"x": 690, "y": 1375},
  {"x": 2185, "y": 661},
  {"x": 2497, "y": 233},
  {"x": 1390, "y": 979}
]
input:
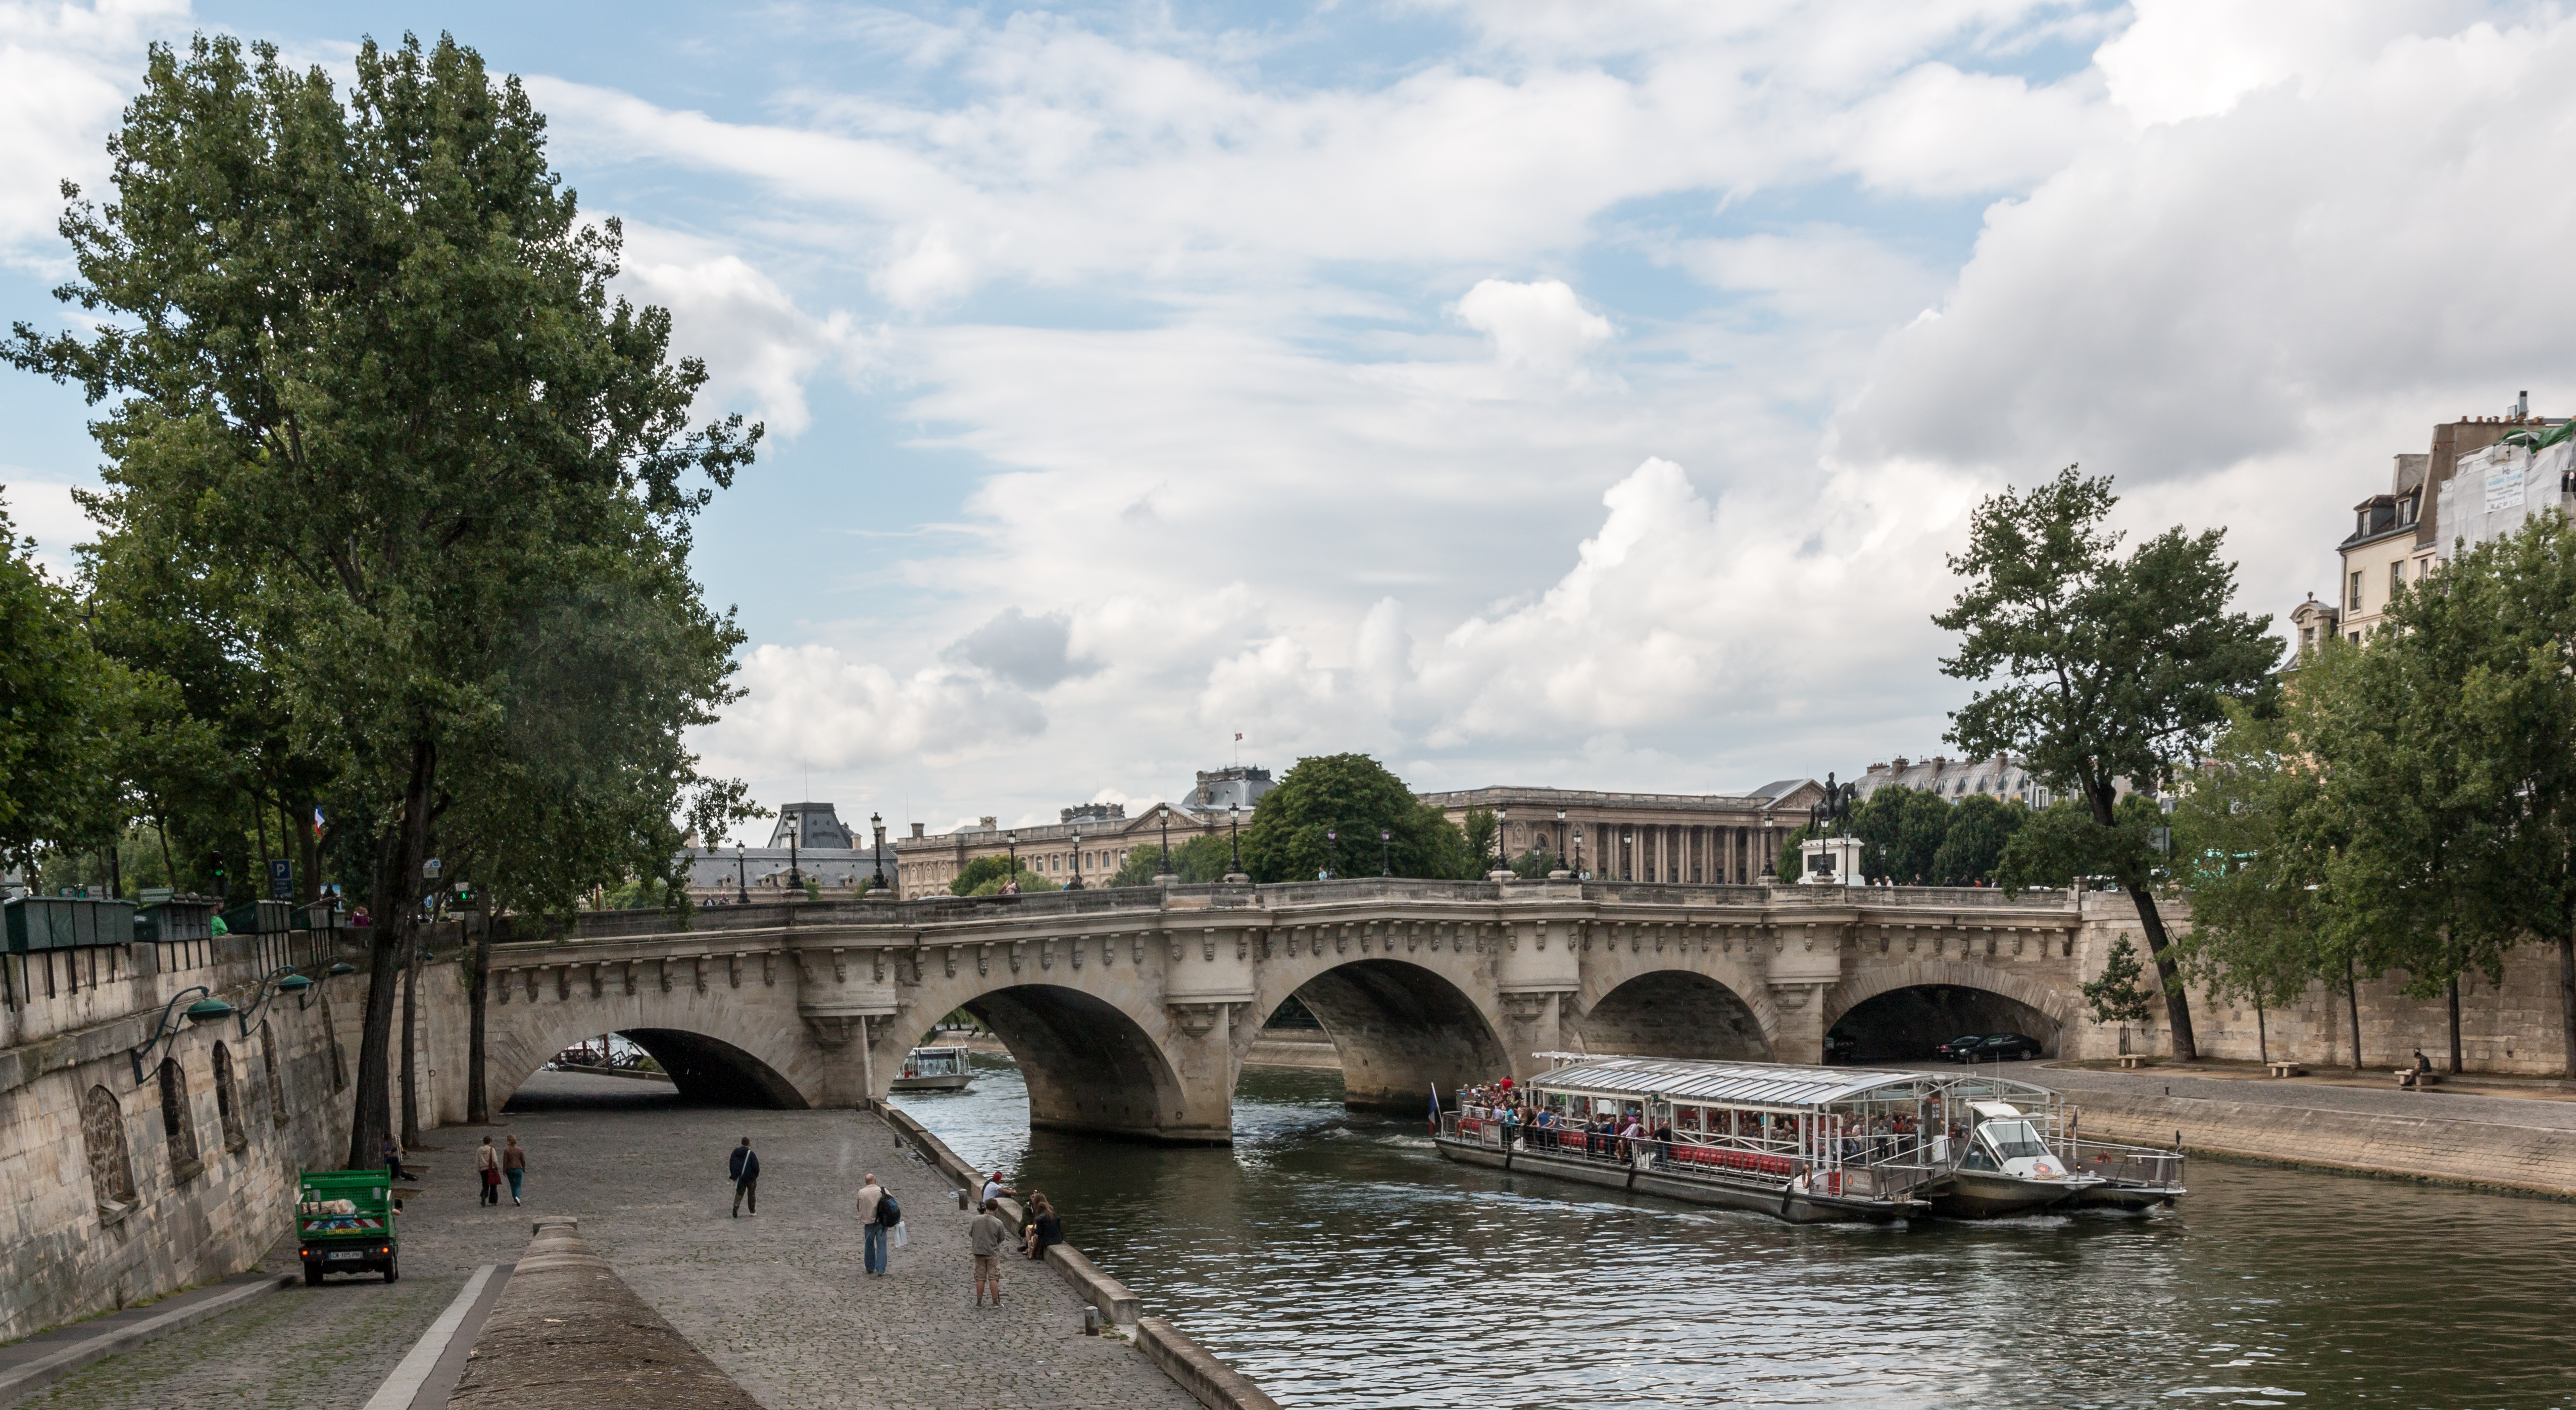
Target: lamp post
[
  {"x": 1166, "y": 876},
  {"x": 741, "y": 875},
  {"x": 1385, "y": 852}
]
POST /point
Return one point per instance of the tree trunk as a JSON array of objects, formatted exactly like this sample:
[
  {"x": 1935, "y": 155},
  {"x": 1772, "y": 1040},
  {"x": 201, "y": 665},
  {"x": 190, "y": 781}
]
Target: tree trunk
[
  {"x": 398, "y": 863},
  {"x": 2455, "y": 1025},
  {"x": 478, "y": 982},
  {"x": 2352, "y": 1007},
  {"x": 2168, "y": 976},
  {"x": 410, "y": 1041}
]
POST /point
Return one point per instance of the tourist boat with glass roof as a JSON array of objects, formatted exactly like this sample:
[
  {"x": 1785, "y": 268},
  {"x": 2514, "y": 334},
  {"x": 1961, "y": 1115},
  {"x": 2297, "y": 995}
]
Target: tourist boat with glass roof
[
  {"x": 1804, "y": 1144},
  {"x": 934, "y": 1069}
]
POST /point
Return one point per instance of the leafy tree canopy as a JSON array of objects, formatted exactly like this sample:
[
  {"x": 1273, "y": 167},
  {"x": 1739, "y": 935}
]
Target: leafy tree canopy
[
  {"x": 2093, "y": 667},
  {"x": 1355, "y": 797}
]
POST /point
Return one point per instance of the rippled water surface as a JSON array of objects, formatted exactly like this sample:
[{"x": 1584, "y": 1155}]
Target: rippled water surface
[{"x": 1338, "y": 1260}]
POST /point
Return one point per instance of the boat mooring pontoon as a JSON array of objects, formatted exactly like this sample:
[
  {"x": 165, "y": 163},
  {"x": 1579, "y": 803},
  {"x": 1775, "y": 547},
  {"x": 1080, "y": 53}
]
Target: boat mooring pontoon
[{"x": 1807, "y": 1144}]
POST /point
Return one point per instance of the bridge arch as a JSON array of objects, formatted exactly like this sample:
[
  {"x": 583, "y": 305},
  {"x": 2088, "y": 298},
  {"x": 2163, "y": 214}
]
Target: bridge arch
[
  {"x": 1401, "y": 1027},
  {"x": 1088, "y": 1065},
  {"x": 715, "y": 1056},
  {"x": 1900, "y": 1012},
  {"x": 1674, "y": 1012}
]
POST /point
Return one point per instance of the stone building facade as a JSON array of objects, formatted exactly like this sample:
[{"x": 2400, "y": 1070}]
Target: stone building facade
[{"x": 1705, "y": 839}]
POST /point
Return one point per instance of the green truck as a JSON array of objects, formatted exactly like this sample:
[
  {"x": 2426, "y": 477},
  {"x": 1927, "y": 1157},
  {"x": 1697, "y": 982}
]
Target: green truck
[{"x": 345, "y": 1222}]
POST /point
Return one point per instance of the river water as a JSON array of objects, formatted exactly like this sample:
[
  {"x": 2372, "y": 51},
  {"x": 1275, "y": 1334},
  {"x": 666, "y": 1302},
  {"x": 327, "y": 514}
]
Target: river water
[{"x": 1339, "y": 1261}]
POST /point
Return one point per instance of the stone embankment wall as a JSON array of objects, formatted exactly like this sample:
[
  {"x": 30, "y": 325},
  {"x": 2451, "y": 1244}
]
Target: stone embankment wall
[
  {"x": 121, "y": 1192},
  {"x": 2540, "y": 1160},
  {"x": 2511, "y": 1027}
]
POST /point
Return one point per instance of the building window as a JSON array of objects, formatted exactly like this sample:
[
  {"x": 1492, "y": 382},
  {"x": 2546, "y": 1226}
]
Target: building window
[
  {"x": 2356, "y": 595},
  {"x": 111, "y": 1174}
]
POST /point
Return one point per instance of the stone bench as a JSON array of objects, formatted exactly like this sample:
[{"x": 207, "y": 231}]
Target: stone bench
[{"x": 2285, "y": 1069}]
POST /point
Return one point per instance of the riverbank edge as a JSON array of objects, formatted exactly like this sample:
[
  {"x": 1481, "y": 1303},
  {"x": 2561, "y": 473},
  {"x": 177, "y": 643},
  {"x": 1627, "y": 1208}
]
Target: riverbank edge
[
  {"x": 2524, "y": 1160},
  {"x": 1191, "y": 1366}
]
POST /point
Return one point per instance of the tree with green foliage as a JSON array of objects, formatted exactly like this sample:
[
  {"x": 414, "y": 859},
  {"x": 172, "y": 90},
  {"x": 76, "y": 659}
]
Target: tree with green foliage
[
  {"x": 2114, "y": 996},
  {"x": 1198, "y": 862},
  {"x": 1356, "y": 797},
  {"x": 2096, "y": 668},
  {"x": 1900, "y": 830},
  {"x": 984, "y": 877},
  {"x": 2062, "y": 845},
  {"x": 2254, "y": 840},
  {"x": 366, "y": 354},
  {"x": 1480, "y": 828},
  {"x": 66, "y": 712},
  {"x": 1980, "y": 828},
  {"x": 2449, "y": 749}
]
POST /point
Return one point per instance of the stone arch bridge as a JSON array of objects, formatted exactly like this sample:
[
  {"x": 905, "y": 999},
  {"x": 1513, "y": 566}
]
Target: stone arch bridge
[{"x": 1131, "y": 1010}]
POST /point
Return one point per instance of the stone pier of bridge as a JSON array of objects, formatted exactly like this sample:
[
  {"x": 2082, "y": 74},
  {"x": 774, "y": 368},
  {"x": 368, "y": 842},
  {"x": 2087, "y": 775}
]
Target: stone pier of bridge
[{"x": 1131, "y": 1010}]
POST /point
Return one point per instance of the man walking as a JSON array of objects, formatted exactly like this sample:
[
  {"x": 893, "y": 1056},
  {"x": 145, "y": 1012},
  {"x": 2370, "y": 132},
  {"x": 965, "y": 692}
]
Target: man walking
[
  {"x": 514, "y": 1164},
  {"x": 746, "y": 1178},
  {"x": 874, "y": 1227},
  {"x": 984, "y": 1238}
]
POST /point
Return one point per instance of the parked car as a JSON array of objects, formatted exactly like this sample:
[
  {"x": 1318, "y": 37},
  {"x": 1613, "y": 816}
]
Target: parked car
[
  {"x": 1961, "y": 1049},
  {"x": 2016, "y": 1046}
]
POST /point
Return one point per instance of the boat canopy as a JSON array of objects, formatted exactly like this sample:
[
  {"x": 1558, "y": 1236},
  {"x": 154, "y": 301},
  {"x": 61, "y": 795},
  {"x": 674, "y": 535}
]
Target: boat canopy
[{"x": 1772, "y": 1086}]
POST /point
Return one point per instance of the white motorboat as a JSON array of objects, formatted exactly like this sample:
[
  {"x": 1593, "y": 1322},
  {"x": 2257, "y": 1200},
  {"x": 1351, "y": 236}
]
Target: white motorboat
[{"x": 934, "y": 1070}]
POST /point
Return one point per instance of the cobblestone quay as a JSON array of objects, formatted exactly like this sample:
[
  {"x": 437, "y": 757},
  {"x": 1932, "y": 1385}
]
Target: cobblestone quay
[{"x": 777, "y": 1300}]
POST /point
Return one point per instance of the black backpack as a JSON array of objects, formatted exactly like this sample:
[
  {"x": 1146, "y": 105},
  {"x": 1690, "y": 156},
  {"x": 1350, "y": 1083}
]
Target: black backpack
[{"x": 889, "y": 1213}]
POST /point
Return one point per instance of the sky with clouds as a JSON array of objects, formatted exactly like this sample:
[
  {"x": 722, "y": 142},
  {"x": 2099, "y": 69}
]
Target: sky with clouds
[{"x": 1536, "y": 393}]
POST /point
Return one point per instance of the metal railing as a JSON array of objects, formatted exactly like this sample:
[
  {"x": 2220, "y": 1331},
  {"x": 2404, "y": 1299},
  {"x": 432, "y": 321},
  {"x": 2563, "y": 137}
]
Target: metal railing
[{"x": 2141, "y": 1167}]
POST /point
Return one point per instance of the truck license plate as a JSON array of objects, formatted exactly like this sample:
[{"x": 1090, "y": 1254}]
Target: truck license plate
[{"x": 343, "y": 1257}]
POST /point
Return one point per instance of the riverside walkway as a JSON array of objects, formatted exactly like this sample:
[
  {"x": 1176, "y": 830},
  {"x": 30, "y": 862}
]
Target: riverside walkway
[{"x": 777, "y": 1301}]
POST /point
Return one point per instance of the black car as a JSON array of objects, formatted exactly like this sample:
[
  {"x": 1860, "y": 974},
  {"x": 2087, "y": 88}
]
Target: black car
[
  {"x": 1961, "y": 1049},
  {"x": 1998, "y": 1046}
]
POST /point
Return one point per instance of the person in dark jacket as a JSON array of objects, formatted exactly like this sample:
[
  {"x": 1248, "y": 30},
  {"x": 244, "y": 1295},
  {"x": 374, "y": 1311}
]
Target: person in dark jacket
[
  {"x": 1045, "y": 1227},
  {"x": 746, "y": 1178}
]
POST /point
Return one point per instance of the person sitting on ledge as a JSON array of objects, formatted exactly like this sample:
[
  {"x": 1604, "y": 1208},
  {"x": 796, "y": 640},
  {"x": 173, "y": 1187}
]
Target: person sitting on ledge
[{"x": 2413, "y": 1077}]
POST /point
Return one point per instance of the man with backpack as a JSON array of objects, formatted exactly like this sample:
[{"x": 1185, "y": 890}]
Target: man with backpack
[
  {"x": 878, "y": 1214},
  {"x": 746, "y": 1177}
]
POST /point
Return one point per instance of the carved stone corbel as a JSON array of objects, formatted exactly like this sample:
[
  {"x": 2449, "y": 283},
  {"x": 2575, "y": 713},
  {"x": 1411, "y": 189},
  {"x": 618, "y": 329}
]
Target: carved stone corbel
[{"x": 1197, "y": 1020}]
